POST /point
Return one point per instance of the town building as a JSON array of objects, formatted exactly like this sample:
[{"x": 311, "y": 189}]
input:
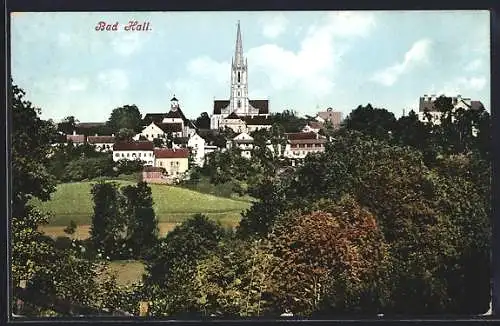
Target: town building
[
  {"x": 313, "y": 126},
  {"x": 244, "y": 142},
  {"x": 304, "y": 143},
  {"x": 197, "y": 145},
  {"x": 136, "y": 150},
  {"x": 174, "y": 122},
  {"x": 102, "y": 143},
  {"x": 76, "y": 139},
  {"x": 427, "y": 106},
  {"x": 174, "y": 161},
  {"x": 238, "y": 102},
  {"x": 330, "y": 116}
]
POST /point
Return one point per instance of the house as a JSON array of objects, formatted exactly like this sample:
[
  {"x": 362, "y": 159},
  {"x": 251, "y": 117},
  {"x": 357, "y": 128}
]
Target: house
[
  {"x": 234, "y": 122},
  {"x": 313, "y": 126},
  {"x": 238, "y": 101},
  {"x": 254, "y": 123},
  {"x": 135, "y": 150},
  {"x": 76, "y": 139},
  {"x": 160, "y": 130},
  {"x": 174, "y": 161},
  {"x": 152, "y": 174},
  {"x": 102, "y": 143},
  {"x": 333, "y": 117},
  {"x": 427, "y": 105},
  {"x": 244, "y": 142},
  {"x": 304, "y": 143},
  {"x": 173, "y": 121},
  {"x": 197, "y": 145}
]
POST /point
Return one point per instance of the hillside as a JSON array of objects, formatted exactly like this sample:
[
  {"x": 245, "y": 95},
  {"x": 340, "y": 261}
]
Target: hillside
[{"x": 73, "y": 201}]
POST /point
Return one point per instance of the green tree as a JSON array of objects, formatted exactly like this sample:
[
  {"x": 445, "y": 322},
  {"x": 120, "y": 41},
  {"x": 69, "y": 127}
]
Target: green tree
[
  {"x": 68, "y": 125},
  {"x": 125, "y": 134},
  {"x": 203, "y": 121},
  {"x": 371, "y": 121},
  {"x": 142, "y": 225},
  {"x": 171, "y": 269},
  {"x": 125, "y": 117},
  {"x": 106, "y": 232}
]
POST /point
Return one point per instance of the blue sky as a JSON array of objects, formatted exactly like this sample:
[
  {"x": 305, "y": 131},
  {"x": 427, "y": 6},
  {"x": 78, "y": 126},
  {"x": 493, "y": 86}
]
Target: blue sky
[{"x": 304, "y": 61}]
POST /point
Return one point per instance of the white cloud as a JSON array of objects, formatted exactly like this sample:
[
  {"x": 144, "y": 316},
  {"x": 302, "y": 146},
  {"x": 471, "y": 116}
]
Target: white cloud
[
  {"x": 311, "y": 68},
  {"x": 275, "y": 26},
  {"x": 473, "y": 65},
  {"x": 418, "y": 53},
  {"x": 208, "y": 68},
  {"x": 115, "y": 79},
  {"x": 127, "y": 43},
  {"x": 462, "y": 85}
]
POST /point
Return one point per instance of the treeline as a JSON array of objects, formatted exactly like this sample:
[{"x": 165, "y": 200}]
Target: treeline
[{"x": 381, "y": 222}]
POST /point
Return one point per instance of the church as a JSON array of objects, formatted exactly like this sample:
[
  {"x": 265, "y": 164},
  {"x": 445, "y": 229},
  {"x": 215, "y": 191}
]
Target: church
[{"x": 238, "y": 105}]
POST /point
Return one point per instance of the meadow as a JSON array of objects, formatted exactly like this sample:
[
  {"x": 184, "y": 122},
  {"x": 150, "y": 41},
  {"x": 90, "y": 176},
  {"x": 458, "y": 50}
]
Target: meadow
[{"x": 172, "y": 205}]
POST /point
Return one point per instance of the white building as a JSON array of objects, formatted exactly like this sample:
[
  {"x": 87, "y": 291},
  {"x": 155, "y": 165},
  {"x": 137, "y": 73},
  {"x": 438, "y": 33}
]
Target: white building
[
  {"x": 197, "y": 145},
  {"x": 160, "y": 131},
  {"x": 238, "y": 102},
  {"x": 427, "y": 105},
  {"x": 244, "y": 142},
  {"x": 102, "y": 143},
  {"x": 142, "y": 150},
  {"x": 303, "y": 143}
]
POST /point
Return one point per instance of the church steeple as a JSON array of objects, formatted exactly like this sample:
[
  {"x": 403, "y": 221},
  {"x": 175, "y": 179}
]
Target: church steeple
[
  {"x": 238, "y": 52},
  {"x": 239, "y": 102}
]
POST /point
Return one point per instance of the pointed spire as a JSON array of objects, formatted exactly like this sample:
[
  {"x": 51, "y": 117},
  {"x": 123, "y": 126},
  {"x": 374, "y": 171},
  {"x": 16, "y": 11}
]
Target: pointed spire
[{"x": 238, "y": 53}]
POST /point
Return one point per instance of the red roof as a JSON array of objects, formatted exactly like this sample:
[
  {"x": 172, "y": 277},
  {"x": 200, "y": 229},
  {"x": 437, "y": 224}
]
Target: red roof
[
  {"x": 134, "y": 146},
  {"x": 301, "y": 135},
  {"x": 171, "y": 153},
  {"x": 77, "y": 139}
]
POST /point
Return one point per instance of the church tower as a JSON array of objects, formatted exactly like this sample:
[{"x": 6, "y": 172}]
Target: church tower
[{"x": 238, "y": 101}]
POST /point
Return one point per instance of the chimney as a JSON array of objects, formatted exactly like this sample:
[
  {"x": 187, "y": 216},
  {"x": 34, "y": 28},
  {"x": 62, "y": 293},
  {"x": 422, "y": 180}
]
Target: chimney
[
  {"x": 426, "y": 98},
  {"x": 74, "y": 132},
  {"x": 433, "y": 97},
  {"x": 96, "y": 135},
  {"x": 112, "y": 135}
]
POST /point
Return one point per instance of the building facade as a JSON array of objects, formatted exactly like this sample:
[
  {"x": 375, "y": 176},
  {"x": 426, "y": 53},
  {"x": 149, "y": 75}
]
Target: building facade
[
  {"x": 427, "y": 107},
  {"x": 138, "y": 150},
  {"x": 238, "y": 102},
  {"x": 174, "y": 161}
]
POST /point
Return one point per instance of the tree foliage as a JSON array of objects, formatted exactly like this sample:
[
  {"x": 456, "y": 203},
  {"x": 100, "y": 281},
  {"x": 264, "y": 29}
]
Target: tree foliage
[{"x": 125, "y": 117}]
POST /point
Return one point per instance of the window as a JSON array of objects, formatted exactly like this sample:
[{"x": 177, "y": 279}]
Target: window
[
  {"x": 239, "y": 79},
  {"x": 140, "y": 154},
  {"x": 128, "y": 154},
  {"x": 117, "y": 155},
  {"x": 123, "y": 155},
  {"x": 177, "y": 163},
  {"x": 239, "y": 103},
  {"x": 239, "y": 93},
  {"x": 161, "y": 164}
]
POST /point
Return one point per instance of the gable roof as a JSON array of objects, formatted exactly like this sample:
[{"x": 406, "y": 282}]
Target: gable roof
[
  {"x": 153, "y": 117},
  {"x": 76, "y": 139},
  {"x": 262, "y": 105},
  {"x": 134, "y": 146},
  {"x": 100, "y": 139},
  {"x": 329, "y": 114},
  {"x": 219, "y": 105},
  {"x": 315, "y": 124},
  {"x": 243, "y": 135},
  {"x": 171, "y": 153},
  {"x": 301, "y": 135},
  {"x": 257, "y": 120},
  {"x": 170, "y": 127},
  {"x": 233, "y": 115}
]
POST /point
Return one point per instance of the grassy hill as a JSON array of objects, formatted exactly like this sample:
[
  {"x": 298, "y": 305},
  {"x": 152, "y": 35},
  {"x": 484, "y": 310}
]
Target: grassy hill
[{"x": 73, "y": 201}]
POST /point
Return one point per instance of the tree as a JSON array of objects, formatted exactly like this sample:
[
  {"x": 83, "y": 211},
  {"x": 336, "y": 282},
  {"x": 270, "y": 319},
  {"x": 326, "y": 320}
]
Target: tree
[
  {"x": 125, "y": 134},
  {"x": 107, "y": 227},
  {"x": 203, "y": 121},
  {"x": 54, "y": 278},
  {"x": 332, "y": 258},
  {"x": 125, "y": 117},
  {"x": 142, "y": 225},
  {"x": 289, "y": 121},
  {"x": 171, "y": 268},
  {"x": 67, "y": 125},
  {"x": 371, "y": 121}
]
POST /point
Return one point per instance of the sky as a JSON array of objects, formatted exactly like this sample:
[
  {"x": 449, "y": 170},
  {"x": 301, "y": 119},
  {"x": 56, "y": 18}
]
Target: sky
[{"x": 304, "y": 61}]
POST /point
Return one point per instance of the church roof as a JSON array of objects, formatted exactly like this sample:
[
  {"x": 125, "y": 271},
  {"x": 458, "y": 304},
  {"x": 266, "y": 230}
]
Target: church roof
[
  {"x": 174, "y": 99},
  {"x": 153, "y": 117},
  {"x": 219, "y": 105},
  {"x": 262, "y": 105}
]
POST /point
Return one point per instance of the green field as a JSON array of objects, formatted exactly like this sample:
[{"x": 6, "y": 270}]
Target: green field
[{"x": 73, "y": 201}]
